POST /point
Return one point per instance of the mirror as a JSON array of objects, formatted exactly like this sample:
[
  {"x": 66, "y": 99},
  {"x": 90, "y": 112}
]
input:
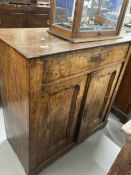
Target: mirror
[{"x": 100, "y": 15}]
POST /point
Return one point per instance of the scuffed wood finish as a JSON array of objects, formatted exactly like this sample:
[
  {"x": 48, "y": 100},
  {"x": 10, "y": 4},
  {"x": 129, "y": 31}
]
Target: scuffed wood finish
[
  {"x": 60, "y": 66},
  {"x": 122, "y": 164},
  {"x": 14, "y": 80},
  {"x": 60, "y": 106},
  {"x": 53, "y": 100},
  {"x": 39, "y": 43},
  {"x": 99, "y": 91}
]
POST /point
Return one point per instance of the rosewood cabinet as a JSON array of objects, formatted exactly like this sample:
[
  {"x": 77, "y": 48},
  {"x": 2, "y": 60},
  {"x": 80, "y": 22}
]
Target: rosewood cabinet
[{"x": 55, "y": 93}]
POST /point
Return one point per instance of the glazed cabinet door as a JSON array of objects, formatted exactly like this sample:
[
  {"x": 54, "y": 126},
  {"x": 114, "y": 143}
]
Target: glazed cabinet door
[
  {"x": 60, "y": 106},
  {"x": 99, "y": 90}
]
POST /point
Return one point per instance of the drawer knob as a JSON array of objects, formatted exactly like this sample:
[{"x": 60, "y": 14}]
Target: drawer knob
[
  {"x": 96, "y": 58},
  {"x": 48, "y": 22}
]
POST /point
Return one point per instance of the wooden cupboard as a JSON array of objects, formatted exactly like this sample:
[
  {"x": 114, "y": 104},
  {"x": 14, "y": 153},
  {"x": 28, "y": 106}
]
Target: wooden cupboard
[
  {"x": 21, "y": 16},
  {"x": 62, "y": 93}
]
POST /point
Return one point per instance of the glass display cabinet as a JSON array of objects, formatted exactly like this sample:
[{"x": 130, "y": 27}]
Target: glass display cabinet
[{"x": 87, "y": 20}]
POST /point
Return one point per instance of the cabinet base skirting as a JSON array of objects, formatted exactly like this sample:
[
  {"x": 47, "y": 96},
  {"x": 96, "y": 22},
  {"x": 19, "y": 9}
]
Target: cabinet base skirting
[
  {"x": 121, "y": 115},
  {"x": 99, "y": 127},
  {"x": 52, "y": 159},
  {"x": 65, "y": 150}
]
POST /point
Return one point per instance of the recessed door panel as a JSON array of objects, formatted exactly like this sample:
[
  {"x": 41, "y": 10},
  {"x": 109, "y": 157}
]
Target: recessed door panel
[
  {"x": 98, "y": 94},
  {"x": 60, "y": 106}
]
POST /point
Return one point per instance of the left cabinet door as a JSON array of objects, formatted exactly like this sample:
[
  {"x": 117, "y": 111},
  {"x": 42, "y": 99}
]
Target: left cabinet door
[{"x": 59, "y": 108}]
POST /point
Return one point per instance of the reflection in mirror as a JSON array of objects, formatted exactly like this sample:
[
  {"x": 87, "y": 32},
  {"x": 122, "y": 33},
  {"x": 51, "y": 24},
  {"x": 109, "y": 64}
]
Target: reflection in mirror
[
  {"x": 96, "y": 15},
  {"x": 100, "y": 15},
  {"x": 127, "y": 20},
  {"x": 65, "y": 13}
]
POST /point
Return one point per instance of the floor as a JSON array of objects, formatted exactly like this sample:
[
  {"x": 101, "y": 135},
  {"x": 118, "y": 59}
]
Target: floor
[{"x": 93, "y": 157}]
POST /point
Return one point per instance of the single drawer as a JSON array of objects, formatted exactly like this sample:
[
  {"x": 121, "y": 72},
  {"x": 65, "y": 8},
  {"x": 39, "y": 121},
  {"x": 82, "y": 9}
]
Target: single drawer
[
  {"x": 37, "y": 20},
  {"x": 12, "y": 20},
  {"x": 63, "y": 65}
]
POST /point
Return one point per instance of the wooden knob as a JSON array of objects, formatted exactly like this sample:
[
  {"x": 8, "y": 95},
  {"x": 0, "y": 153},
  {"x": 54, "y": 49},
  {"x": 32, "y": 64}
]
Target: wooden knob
[
  {"x": 96, "y": 58},
  {"x": 48, "y": 22}
]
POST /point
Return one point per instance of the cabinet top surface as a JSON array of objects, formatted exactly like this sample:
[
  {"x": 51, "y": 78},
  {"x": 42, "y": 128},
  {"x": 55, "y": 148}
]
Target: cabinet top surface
[{"x": 37, "y": 42}]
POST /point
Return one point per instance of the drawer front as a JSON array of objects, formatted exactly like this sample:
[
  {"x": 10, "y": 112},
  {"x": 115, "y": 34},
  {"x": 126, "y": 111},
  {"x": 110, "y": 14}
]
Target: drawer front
[
  {"x": 61, "y": 66},
  {"x": 12, "y": 20},
  {"x": 37, "y": 20}
]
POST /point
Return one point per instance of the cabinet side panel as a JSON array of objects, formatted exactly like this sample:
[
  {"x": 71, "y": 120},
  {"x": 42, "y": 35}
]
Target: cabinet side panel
[
  {"x": 36, "y": 72},
  {"x": 14, "y": 89},
  {"x": 123, "y": 98}
]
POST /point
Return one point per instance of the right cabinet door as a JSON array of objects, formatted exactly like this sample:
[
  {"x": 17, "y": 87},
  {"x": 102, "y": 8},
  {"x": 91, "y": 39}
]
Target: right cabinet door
[{"x": 98, "y": 94}]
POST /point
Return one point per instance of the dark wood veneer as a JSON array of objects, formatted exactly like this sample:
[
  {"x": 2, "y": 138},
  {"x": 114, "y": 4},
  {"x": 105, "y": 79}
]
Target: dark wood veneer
[{"x": 20, "y": 16}]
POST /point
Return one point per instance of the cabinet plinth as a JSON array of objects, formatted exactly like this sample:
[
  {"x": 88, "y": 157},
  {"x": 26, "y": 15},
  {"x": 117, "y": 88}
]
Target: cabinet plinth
[{"x": 56, "y": 93}]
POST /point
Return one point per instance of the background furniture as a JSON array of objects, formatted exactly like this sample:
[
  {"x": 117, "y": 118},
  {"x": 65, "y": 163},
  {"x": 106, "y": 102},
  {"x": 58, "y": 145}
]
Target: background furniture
[
  {"x": 19, "y": 16},
  {"x": 122, "y": 104},
  {"x": 19, "y": 1},
  {"x": 52, "y": 104},
  {"x": 122, "y": 164}
]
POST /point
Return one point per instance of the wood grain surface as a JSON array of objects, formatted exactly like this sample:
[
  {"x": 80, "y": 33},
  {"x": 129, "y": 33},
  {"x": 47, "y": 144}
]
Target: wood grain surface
[{"x": 54, "y": 98}]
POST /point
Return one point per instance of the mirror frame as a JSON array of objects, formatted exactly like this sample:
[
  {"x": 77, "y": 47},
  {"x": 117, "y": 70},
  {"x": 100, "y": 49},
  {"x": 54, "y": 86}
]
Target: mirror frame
[{"x": 74, "y": 34}]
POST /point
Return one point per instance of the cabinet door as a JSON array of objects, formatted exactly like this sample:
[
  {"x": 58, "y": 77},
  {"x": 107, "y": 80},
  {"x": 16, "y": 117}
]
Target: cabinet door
[
  {"x": 12, "y": 20},
  {"x": 37, "y": 20},
  {"x": 60, "y": 105},
  {"x": 99, "y": 90}
]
